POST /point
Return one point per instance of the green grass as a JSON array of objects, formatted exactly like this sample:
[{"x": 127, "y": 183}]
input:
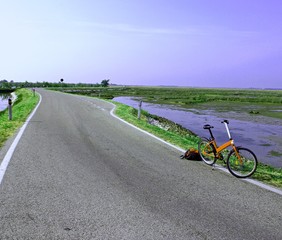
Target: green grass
[
  {"x": 23, "y": 106},
  {"x": 185, "y": 139},
  {"x": 269, "y": 175},
  {"x": 276, "y": 154},
  {"x": 174, "y": 135},
  {"x": 184, "y": 95}
]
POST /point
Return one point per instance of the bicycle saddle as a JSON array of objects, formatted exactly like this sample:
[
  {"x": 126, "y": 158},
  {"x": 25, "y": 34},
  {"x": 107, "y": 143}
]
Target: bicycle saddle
[{"x": 207, "y": 126}]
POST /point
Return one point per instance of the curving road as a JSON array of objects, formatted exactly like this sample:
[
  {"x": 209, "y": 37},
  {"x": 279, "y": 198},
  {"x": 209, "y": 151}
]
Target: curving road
[{"x": 79, "y": 173}]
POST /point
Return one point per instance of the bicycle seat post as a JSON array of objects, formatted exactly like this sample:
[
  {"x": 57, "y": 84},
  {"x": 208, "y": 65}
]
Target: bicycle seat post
[
  {"x": 227, "y": 128},
  {"x": 207, "y": 126},
  {"x": 212, "y": 137}
]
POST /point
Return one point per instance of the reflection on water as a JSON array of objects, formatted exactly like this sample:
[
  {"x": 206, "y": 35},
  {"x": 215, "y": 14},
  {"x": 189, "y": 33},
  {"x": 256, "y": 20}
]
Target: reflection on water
[
  {"x": 261, "y": 134},
  {"x": 4, "y": 100}
]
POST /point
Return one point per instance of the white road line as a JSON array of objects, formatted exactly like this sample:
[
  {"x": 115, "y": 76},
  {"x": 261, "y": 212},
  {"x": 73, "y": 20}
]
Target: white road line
[
  {"x": 262, "y": 185},
  {"x": 171, "y": 145},
  {"x": 12, "y": 148},
  {"x": 90, "y": 102}
]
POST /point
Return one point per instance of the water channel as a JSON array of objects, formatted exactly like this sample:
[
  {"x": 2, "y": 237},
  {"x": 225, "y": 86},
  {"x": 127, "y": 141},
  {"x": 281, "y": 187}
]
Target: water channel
[
  {"x": 4, "y": 100},
  {"x": 261, "y": 134}
]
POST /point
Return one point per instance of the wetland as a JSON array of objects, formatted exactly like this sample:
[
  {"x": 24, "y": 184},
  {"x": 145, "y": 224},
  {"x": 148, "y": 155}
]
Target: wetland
[{"x": 4, "y": 100}]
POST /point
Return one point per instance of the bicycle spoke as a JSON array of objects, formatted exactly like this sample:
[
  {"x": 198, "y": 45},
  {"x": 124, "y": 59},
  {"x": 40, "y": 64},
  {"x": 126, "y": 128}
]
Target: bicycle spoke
[
  {"x": 242, "y": 164},
  {"x": 207, "y": 152}
]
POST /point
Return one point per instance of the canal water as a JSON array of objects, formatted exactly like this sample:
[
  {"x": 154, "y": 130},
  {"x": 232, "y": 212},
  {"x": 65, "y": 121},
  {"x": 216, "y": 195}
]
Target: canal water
[
  {"x": 4, "y": 100},
  {"x": 263, "y": 135}
]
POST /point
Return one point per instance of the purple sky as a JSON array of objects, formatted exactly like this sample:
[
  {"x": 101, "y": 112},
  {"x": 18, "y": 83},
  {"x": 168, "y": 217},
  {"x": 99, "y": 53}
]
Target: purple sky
[{"x": 205, "y": 43}]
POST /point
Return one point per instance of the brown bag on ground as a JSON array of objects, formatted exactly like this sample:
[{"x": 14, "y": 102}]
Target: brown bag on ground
[{"x": 191, "y": 154}]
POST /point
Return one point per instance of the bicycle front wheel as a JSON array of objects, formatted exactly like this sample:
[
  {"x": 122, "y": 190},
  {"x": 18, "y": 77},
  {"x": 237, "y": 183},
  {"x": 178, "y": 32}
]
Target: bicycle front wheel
[
  {"x": 207, "y": 151},
  {"x": 243, "y": 163}
]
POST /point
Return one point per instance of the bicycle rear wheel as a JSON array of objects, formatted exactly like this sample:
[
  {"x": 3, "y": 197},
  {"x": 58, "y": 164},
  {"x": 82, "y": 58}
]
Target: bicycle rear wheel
[
  {"x": 207, "y": 151},
  {"x": 242, "y": 165}
]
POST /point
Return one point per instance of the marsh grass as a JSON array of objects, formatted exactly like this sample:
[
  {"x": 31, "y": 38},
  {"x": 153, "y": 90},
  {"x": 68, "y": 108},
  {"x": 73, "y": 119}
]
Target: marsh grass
[
  {"x": 275, "y": 153},
  {"x": 176, "y": 134},
  {"x": 23, "y": 106}
]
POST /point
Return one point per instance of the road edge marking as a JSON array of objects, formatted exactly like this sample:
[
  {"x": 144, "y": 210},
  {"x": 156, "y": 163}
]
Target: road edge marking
[
  {"x": 9, "y": 154},
  {"x": 150, "y": 134},
  {"x": 263, "y": 185}
]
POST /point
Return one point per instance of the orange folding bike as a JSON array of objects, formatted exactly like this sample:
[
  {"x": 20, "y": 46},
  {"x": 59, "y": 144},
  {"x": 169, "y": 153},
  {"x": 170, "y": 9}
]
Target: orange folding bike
[{"x": 241, "y": 162}]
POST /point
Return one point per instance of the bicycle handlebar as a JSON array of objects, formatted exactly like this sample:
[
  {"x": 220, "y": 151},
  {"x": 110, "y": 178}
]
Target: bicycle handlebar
[{"x": 225, "y": 121}]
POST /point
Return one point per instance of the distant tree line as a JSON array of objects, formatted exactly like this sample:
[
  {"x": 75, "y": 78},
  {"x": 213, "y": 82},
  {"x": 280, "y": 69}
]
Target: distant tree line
[{"x": 4, "y": 84}]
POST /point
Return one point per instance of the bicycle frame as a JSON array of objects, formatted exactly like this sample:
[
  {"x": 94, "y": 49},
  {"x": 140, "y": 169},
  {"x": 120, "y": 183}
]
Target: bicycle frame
[
  {"x": 225, "y": 145},
  {"x": 220, "y": 148}
]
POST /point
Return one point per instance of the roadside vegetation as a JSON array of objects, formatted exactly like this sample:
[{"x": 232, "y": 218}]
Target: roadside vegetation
[
  {"x": 161, "y": 127},
  {"x": 22, "y": 107}
]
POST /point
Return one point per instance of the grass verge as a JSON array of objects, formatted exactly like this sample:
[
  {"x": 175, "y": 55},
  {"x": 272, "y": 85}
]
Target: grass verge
[
  {"x": 22, "y": 107},
  {"x": 165, "y": 129},
  {"x": 183, "y": 138}
]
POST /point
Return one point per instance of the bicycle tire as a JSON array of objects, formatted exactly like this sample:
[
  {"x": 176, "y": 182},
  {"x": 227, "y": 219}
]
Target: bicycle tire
[
  {"x": 242, "y": 168},
  {"x": 207, "y": 151}
]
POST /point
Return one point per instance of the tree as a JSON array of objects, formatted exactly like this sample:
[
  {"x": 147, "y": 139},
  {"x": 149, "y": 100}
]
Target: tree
[
  {"x": 105, "y": 83},
  {"x": 3, "y": 83}
]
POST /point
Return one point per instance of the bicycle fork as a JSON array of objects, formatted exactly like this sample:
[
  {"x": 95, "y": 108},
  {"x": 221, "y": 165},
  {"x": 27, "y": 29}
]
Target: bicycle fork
[{"x": 237, "y": 154}]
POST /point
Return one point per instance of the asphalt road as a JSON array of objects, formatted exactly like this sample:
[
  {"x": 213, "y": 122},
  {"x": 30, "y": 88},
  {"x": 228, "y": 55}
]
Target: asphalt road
[{"x": 79, "y": 173}]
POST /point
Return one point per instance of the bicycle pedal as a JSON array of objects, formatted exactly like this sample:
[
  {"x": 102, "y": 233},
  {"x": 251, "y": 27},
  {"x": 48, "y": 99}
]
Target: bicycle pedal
[{"x": 220, "y": 157}]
